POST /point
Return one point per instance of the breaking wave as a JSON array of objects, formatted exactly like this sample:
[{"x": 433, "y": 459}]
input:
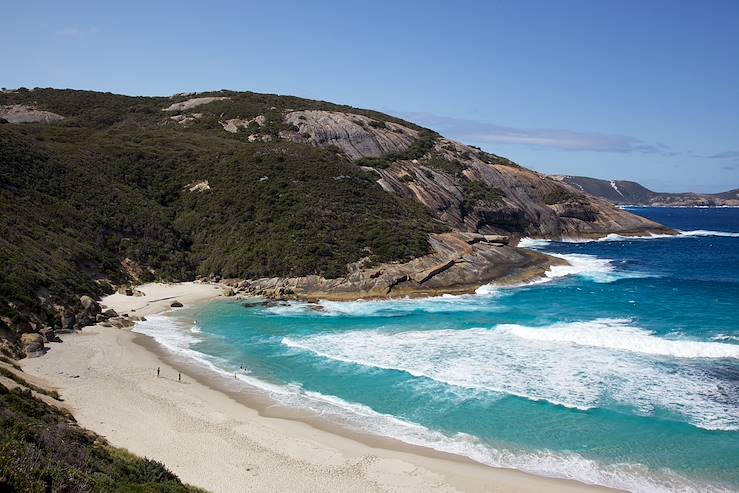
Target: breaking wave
[
  {"x": 567, "y": 465},
  {"x": 600, "y": 363}
]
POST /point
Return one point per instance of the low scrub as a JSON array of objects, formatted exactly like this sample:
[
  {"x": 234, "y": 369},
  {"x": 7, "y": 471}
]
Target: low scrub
[{"x": 42, "y": 449}]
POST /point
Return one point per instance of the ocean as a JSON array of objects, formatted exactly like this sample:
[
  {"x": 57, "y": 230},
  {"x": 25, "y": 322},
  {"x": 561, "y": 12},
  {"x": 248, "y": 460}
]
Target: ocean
[{"x": 621, "y": 370}]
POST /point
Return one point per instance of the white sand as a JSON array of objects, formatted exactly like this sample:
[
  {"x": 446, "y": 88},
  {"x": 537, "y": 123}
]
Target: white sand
[
  {"x": 159, "y": 296},
  {"x": 213, "y": 441}
]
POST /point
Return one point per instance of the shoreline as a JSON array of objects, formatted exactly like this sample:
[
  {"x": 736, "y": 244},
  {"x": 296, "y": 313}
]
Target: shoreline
[{"x": 117, "y": 395}]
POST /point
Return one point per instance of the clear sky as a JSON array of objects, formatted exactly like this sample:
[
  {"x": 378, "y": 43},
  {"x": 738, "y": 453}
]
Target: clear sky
[{"x": 646, "y": 90}]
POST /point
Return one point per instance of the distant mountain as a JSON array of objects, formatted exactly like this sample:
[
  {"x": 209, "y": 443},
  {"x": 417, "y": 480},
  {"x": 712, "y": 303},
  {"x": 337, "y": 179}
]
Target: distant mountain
[{"x": 631, "y": 193}]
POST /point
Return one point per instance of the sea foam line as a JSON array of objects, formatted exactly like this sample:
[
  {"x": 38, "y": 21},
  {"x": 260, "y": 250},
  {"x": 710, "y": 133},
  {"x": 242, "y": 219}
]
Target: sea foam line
[
  {"x": 580, "y": 365},
  {"x": 619, "y": 334},
  {"x": 538, "y": 243},
  {"x": 387, "y": 308},
  {"x": 572, "y": 466},
  {"x": 630, "y": 477}
]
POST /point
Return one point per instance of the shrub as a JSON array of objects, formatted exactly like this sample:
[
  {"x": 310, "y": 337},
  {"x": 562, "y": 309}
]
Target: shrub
[
  {"x": 377, "y": 124},
  {"x": 42, "y": 449},
  {"x": 558, "y": 196}
]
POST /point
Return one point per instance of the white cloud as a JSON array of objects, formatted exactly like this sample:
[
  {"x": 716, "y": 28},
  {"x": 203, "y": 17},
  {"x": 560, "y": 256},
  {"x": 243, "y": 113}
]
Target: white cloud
[
  {"x": 489, "y": 133},
  {"x": 76, "y": 32}
]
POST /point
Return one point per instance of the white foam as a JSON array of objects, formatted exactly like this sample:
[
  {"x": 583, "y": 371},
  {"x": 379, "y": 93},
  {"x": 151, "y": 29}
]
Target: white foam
[
  {"x": 704, "y": 232},
  {"x": 654, "y": 236},
  {"x": 725, "y": 337},
  {"x": 620, "y": 335},
  {"x": 385, "y": 307},
  {"x": 583, "y": 265},
  {"x": 541, "y": 243},
  {"x": 574, "y": 365},
  {"x": 590, "y": 266},
  {"x": 178, "y": 340},
  {"x": 631, "y": 477},
  {"x": 533, "y": 243}
]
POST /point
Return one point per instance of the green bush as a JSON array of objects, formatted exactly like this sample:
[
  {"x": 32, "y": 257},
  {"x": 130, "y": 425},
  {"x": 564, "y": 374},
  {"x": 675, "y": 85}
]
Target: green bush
[
  {"x": 477, "y": 193},
  {"x": 558, "y": 196},
  {"x": 43, "y": 449}
]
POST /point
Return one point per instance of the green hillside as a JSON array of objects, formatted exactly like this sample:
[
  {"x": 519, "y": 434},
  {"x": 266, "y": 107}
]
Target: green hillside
[{"x": 108, "y": 183}]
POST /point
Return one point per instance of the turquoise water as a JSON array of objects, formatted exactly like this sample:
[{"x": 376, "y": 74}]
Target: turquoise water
[{"x": 622, "y": 370}]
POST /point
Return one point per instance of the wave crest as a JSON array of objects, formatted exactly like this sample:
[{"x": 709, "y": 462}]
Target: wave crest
[{"x": 583, "y": 365}]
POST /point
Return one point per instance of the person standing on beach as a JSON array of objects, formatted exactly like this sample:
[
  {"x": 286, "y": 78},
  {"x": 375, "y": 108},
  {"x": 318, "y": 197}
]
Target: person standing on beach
[
  {"x": 157, "y": 372},
  {"x": 179, "y": 377}
]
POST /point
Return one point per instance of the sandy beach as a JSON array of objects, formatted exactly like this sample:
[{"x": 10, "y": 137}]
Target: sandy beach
[{"x": 108, "y": 379}]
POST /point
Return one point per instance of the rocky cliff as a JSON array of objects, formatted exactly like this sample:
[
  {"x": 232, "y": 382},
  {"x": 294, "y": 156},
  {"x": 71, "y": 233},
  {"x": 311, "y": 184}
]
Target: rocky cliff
[{"x": 467, "y": 188}]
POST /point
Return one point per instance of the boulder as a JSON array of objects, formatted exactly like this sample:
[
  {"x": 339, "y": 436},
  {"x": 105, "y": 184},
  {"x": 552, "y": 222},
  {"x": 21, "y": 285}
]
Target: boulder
[
  {"x": 228, "y": 292},
  {"x": 110, "y": 313},
  {"x": 125, "y": 290},
  {"x": 121, "y": 323},
  {"x": 49, "y": 335},
  {"x": 502, "y": 239},
  {"x": 68, "y": 320},
  {"x": 176, "y": 304},
  {"x": 33, "y": 344},
  {"x": 89, "y": 314}
]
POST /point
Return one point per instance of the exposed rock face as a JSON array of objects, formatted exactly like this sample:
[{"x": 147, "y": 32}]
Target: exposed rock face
[
  {"x": 506, "y": 199},
  {"x": 18, "y": 113},
  {"x": 198, "y": 186},
  {"x": 466, "y": 188},
  {"x": 460, "y": 263},
  {"x": 234, "y": 124},
  {"x": 260, "y": 138},
  {"x": 357, "y": 135},
  {"x": 32, "y": 344},
  {"x": 192, "y": 103},
  {"x": 184, "y": 120}
]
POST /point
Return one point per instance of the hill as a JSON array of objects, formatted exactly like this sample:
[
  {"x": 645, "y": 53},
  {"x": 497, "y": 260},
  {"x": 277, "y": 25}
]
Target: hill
[
  {"x": 631, "y": 193},
  {"x": 99, "y": 190}
]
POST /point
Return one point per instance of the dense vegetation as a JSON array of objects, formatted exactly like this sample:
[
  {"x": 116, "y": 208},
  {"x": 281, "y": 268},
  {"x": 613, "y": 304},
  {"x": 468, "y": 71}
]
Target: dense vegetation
[
  {"x": 559, "y": 195},
  {"x": 109, "y": 183},
  {"x": 43, "y": 449}
]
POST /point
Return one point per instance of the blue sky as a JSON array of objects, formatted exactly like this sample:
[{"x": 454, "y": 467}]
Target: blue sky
[{"x": 644, "y": 90}]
